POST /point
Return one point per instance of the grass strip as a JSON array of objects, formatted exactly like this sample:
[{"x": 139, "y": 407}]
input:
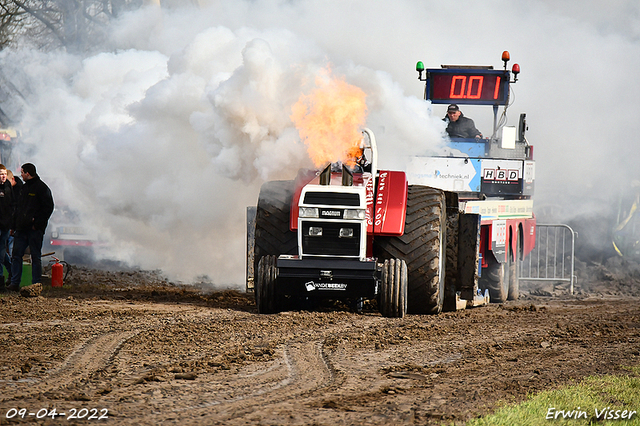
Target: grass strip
[{"x": 605, "y": 400}]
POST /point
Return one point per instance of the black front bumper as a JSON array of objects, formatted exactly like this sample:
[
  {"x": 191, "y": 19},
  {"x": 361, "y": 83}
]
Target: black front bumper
[{"x": 327, "y": 278}]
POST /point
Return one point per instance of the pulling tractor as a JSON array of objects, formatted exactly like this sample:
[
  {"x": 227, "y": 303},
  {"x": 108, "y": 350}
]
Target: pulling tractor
[{"x": 445, "y": 234}]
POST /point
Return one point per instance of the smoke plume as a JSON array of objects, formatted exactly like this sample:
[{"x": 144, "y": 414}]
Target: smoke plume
[{"x": 161, "y": 140}]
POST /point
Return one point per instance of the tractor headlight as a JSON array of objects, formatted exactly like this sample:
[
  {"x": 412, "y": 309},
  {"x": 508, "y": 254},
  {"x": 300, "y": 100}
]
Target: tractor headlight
[
  {"x": 346, "y": 233},
  {"x": 308, "y": 212},
  {"x": 315, "y": 231},
  {"x": 354, "y": 214}
]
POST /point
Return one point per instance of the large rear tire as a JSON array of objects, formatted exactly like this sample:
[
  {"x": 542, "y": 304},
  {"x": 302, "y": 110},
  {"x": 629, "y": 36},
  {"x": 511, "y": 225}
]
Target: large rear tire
[
  {"x": 267, "y": 299},
  {"x": 422, "y": 247},
  {"x": 393, "y": 294},
  {"x": 272, "y": 236}
]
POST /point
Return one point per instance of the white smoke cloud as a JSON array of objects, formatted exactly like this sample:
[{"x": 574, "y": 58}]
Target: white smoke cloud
[{"x": 162, "y": 140}]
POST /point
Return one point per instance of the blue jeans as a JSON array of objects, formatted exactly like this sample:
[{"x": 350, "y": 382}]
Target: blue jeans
[
  {"x": 4, "y": 258},
  {"x": 7, "y": 254},
  {"x": 31, "y": 238}
]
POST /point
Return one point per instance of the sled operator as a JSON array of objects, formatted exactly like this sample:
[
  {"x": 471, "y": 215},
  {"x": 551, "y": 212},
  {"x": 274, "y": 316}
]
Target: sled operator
[{"x": 459, "y": 126}]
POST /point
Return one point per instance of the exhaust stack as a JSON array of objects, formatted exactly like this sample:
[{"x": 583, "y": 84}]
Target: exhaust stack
[
  {"x": 325, "y": 175},
  {"x": 347, "y": 176}
]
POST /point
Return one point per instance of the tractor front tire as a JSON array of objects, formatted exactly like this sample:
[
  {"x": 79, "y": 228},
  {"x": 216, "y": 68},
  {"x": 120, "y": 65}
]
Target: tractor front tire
[
  {"x": 267, "y": 299},
  {"x": 393, "y": 294}
]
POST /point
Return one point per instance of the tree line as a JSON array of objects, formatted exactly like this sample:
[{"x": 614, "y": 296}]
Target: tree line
[{"x": 73, "y": 25}]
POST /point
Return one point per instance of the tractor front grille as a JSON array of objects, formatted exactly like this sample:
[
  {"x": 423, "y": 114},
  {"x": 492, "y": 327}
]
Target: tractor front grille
[
  {"x": 330, "y": 243},
  {"x": 332, "y": 198}
]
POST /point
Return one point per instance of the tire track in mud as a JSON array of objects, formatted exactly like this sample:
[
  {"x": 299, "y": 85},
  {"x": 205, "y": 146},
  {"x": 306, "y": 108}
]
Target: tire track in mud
[
  {"x": 302, "y": 371},
  {"x": 88, "y": 357}
]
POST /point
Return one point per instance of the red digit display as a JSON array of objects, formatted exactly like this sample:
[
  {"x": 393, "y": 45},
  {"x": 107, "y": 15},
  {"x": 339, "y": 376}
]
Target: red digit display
[
  {"x": 458, "y": 84},
  {"x": 475, "y": 87},
  {"x": 465, "y": 86},
  {"x": 497, "y": 89}
]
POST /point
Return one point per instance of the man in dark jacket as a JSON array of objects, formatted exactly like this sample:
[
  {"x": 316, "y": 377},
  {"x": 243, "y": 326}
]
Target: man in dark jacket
[
  {"x": 33, "y": 210},
  {"x": 6, "y": 221},
  {"x": 460, "y": 126}
]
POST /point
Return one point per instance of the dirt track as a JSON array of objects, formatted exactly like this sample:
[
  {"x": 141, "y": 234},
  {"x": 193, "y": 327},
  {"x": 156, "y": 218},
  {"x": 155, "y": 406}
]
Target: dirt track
[{"x": 153, "y": 353}]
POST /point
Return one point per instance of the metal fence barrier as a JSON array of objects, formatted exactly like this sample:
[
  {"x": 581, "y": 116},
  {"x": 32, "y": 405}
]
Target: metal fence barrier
[{"x": 553, "y": 257}]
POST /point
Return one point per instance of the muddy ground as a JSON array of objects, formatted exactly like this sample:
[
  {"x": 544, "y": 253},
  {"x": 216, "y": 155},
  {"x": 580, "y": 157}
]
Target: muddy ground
[{"x": 140, "y": 350}]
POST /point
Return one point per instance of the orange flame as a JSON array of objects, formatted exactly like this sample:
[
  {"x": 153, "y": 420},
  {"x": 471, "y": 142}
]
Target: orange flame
[{"x": 330, "y": 120}]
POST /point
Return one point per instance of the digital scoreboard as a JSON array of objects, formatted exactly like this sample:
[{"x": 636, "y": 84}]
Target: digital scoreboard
[{"x": 467, "y": 86}]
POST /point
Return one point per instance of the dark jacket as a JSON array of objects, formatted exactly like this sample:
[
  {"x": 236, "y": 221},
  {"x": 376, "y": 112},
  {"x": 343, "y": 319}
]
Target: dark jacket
[
  {"x": 35, "y": 205},
  {"x": 7, "y": 205},
  {"x": 463, "y": 127},
  {"x": 17, "y": 188}
]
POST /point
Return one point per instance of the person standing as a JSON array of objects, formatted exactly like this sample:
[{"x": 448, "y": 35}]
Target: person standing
[
  {"x": 16, "y": 187},
  {"x": 33, "y": 210},
  {"x": 16, "y": 184},
  {"x": 6, "y": 221}
]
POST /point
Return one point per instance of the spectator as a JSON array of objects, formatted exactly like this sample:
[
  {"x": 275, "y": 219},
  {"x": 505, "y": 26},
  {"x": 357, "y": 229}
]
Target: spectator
[
  {"x": 33, "y": 210},
  {"x": 16, "y": 186},
  {"x": 6, "y": 220},
  {"x": 459, "y": 126}
]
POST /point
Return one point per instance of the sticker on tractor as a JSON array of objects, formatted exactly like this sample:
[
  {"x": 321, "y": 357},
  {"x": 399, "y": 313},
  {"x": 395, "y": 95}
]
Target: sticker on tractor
[
  {"x": 310, "y": 286},
  {"x": 500, "y": 209},
  {"x": 499, "y": 233},
  {"x": 449, "y": 174}
]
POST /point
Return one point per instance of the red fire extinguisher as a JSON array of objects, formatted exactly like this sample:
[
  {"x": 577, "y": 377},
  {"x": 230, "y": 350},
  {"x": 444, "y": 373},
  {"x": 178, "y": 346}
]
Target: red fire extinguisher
[{"x": 56, "y": 274}]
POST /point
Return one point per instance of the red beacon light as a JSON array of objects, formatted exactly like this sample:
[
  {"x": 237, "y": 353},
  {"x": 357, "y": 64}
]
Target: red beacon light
[{"x": 515, "y": 70}]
